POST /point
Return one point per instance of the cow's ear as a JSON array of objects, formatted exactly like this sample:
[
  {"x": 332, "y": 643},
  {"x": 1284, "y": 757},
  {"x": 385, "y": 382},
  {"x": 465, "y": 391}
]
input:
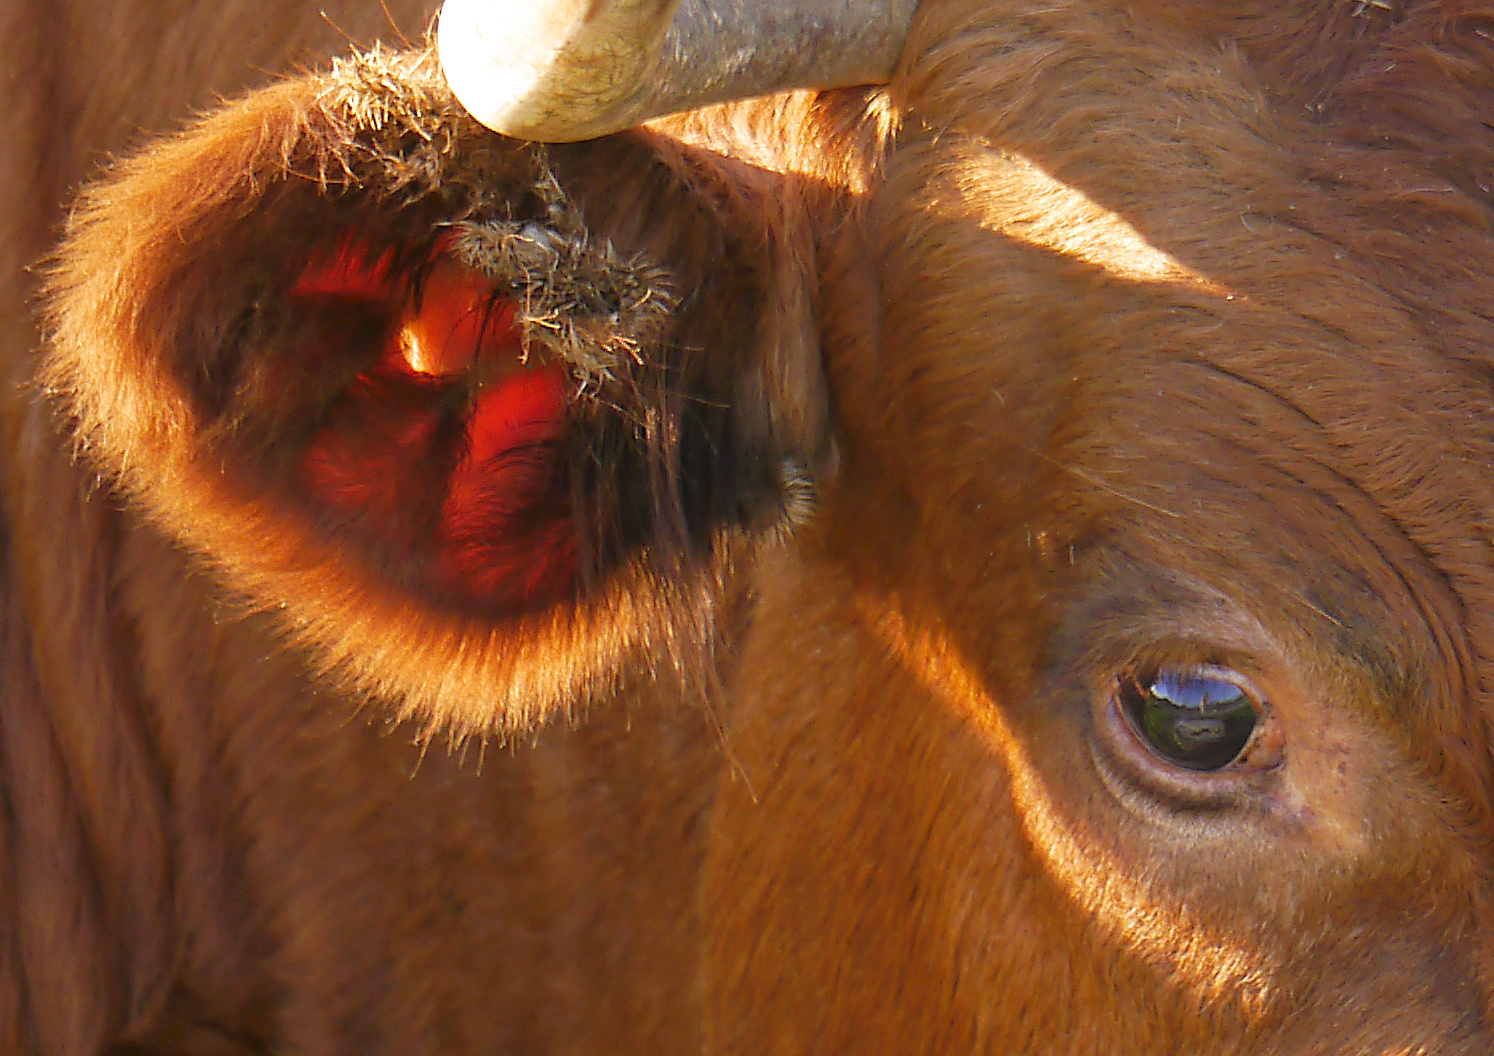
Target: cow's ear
[{"x": 484, "y": 423}]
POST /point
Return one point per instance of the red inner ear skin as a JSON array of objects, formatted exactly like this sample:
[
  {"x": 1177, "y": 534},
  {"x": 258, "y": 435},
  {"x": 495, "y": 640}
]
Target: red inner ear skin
[
  {"x": 456, "y": 324},
  {"x": 451, "y": 445},
  {"x": 348, "y": 275},
  {"x": 498, "y": 538}
]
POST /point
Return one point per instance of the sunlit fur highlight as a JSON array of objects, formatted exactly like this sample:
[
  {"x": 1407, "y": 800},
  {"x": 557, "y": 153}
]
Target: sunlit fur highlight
[{"x": 1019, "y": 200}]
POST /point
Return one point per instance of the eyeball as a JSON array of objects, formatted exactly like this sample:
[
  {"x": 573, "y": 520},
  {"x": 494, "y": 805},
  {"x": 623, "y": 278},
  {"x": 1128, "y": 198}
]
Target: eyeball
[{"x": 1198, "y": 718}]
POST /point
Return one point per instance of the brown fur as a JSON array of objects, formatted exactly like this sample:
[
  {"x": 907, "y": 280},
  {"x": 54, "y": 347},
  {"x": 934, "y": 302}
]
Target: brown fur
[{"x": 1112, "y": 334}]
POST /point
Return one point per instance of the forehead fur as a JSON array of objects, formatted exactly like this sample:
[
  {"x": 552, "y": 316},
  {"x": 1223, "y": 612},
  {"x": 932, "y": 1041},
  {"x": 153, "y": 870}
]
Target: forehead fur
[{"x": 1264, "y": 351}]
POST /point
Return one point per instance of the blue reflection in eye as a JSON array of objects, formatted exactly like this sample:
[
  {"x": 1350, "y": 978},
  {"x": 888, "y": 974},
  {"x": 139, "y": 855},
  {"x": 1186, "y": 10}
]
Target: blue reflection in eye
[{"x": 1188, "y": 690}]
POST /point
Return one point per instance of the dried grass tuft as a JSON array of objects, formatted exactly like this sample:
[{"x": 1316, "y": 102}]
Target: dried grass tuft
[{"x": 584, "y": 302}]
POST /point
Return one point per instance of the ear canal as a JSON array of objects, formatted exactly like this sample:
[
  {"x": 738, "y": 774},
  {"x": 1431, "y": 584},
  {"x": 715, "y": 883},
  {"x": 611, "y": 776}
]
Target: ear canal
[{"x": 566, "y": 70}]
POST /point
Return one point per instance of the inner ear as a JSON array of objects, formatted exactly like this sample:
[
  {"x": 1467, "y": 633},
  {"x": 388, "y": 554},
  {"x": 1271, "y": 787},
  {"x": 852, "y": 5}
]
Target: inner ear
[
  {"x": 479, "y": 424},
  {"x": 448, "y": 447}
]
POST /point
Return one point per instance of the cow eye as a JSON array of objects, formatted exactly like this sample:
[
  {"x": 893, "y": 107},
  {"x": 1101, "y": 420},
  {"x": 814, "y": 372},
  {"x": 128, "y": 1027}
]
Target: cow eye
[{"x": 1199, "y": 719}]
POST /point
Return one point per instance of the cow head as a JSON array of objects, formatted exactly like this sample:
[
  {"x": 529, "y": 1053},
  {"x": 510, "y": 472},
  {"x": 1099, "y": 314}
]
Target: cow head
[{"x": 1134, "y": 664}]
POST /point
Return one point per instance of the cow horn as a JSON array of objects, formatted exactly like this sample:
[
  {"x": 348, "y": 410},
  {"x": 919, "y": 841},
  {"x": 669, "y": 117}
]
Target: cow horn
[{"x": 564, "y": 70}]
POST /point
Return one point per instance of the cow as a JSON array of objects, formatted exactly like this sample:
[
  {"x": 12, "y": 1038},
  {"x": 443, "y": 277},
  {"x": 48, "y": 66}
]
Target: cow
[{"x": 826, "y": 528}]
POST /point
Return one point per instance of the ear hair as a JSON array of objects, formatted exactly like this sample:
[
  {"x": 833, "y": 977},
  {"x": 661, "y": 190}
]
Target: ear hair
[
  {"x": 593, "y": 309},
  {"x": 184, "y": 369}
]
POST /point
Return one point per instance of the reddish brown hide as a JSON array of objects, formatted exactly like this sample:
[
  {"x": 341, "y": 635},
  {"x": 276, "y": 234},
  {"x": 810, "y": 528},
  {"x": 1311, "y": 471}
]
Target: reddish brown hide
[{"x": 1137, "y": 357}]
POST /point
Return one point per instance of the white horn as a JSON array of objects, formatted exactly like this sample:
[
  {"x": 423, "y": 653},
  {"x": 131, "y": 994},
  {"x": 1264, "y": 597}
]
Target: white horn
[{"x": 561, "y": 70}]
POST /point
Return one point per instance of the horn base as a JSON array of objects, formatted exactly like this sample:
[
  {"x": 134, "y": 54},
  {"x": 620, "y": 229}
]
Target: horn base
[{"x": 570, "y": 70}]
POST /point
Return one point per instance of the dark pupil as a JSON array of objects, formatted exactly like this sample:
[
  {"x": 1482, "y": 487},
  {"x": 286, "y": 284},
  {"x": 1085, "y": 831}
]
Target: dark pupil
[{"x": 1195, "y": 721}]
